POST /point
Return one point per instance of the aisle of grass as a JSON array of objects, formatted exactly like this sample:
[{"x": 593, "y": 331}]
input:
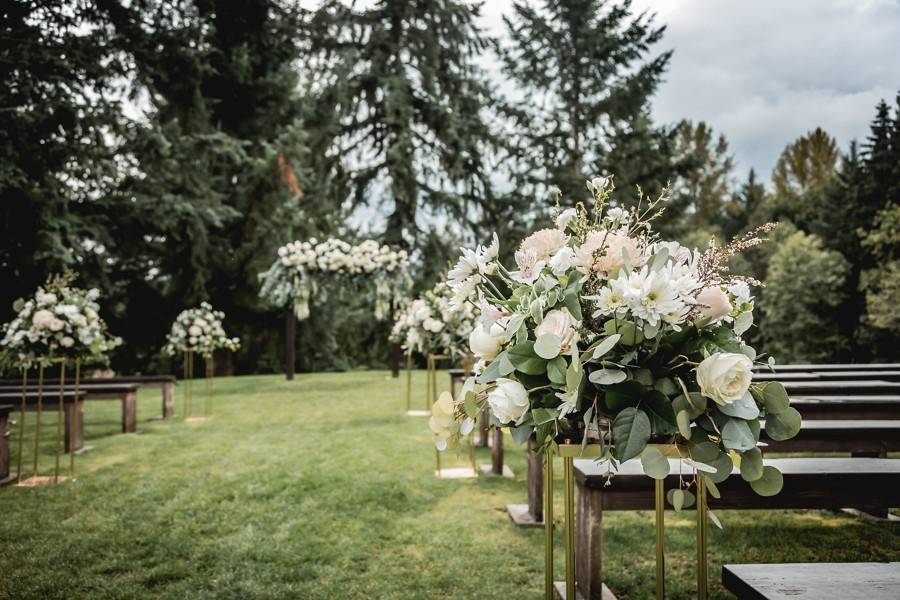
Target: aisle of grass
[{"x": 321, "y": 488}]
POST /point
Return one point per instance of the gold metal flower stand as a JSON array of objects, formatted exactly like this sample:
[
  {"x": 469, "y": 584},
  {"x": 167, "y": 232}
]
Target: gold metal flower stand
[
  {"x": 189, "y": 388},
  {"x": 469, "y": 472},
  {"x": 568, "y": 452},
  {"x": 36, "y": 479}
]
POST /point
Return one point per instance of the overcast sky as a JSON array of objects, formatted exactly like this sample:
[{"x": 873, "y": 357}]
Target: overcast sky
[{"x": 764, "y": 72}]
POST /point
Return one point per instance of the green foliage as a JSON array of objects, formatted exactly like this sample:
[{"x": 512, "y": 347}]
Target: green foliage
[{"x": 802, "y": 292}]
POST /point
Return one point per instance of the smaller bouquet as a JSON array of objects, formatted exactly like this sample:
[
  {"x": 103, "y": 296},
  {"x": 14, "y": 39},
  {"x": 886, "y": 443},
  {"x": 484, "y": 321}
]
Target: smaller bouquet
[
  {"x": 199, "y": 330},
  {"x": 59, "y": 322},
  {"x": 433, "y": 324}
]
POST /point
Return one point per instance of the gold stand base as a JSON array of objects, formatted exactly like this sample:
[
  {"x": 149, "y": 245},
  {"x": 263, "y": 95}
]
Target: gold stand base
[
  {"x": 560, "y": 588},
  {"x": 418, "y": 413},
  {"x": 41, "y": 480},
  {"x": 197, "y": 419},
  {"x": 456, "y": 473},
  {"x": 488, "y": 471}
]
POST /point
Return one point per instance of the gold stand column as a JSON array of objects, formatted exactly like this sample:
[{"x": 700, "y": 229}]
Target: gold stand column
[
  {"x": 40, "y": 409},
  {"x": 21, "y": 443},
  {"x": 548, "y": 524},
  {"x": 76, "y": 420},
  {"x": 408, "y": 381},
  {"x": 207, "y": 405},
  {"x": 702, "y": 533},
  {"x": 60, "y": 417},
  {"x": 660, "y": 539}
]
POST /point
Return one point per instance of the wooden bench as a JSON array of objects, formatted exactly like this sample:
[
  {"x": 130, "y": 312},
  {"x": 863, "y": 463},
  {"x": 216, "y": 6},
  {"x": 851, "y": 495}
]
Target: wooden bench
[
  {"x": 126, "y": 392},
  {"x": 828, "y": 376},
  {"x": 72, "y": 411},
  {"x": 814, "y": 581},
  {"x": 164, "y": 382},
  {"x": 809, "y": 483},
  {"x": 860, "y": 438},
  {"x": 831, "y": 367},
  {"x": 5, "y": 410},
  {"x": 864, "y": 387},
  {"x": 851, "y": 407}
]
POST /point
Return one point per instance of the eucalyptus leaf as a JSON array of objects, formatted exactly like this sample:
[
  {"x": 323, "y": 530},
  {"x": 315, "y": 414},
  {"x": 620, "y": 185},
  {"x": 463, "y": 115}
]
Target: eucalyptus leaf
[
  {"x": 665, "y": 385},
  {"x": 775, "y": 397},
  {"x": 751, "y": 465},
  {"x": 630, "y": 432},
  {"x": 650, "y": 331},
  {"x": 607, "y": 376},
  {"x": 784, "y": 425},
  {"x": 737, "y": 435},
  {"x": 536, "y": 310},
  {"x": 659, "y": 409},
  {"x": 713, "y": 489},
  {"x": 606, "y": 345},
  {"x": 655, "y": 464},
  {"x": 556, "y": 370},
  {"x": 491, "y": 372},
  {"x": 680, "y": 498},
  {"x": 743, "y": 322},
  {"x": 643, "y": 377},
  {"x": 547, "y": 346},
  {"x": 521, "y": 434},
  {"x": 683, "y": 420},
  {"x": 743, "y": 408},
  {"x": 659, "y": 259},
  {"x": 702, "y": 467},
  {"x": 526, "y": 360},
  {"x": 770, "y": 483},
  {"x": 712, "y": 517},
  {"x": 543, "y": 415}
]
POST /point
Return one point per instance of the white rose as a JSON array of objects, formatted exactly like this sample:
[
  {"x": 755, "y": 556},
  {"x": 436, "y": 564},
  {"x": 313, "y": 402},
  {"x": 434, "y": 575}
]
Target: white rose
[
  {"x": 67, "y": 342},
  {"x": 562, "y": 221},
  {"x": 195, "y": 331},
  {"x": 714, "y": 303},
  {"x": 485, "y": 343},
  {"x": 563, "y": 260},
  {"x": 560, "y": 323},
  {"x": 740, "y": 290},
  {"x": 508, "y": 401},
  {"x": 56, "y": 324},
  {"x": 599, "y": 183},
  {"x": 724, "y": 376}
]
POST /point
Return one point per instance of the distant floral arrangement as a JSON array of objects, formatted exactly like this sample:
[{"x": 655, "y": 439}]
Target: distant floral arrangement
[
  {"x": 293, "y": 279},
  {"x": 605, "y": 334},
  {"x": 199, "y": 330},
  {"x": 60, "y": 321},
  {"x": 433, "y": 324}
]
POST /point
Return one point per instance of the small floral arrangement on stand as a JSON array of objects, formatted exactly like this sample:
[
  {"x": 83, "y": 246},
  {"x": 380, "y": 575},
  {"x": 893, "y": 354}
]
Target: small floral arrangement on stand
[
  {"x": 60, "y": 322},
  {"x": 604, "y": 334},
  {"x": 60, "y": 325},
  {"x": 294, "y": 277},
  {"x": 199, "y": 330},
  {"x": 431, "y": 324}
]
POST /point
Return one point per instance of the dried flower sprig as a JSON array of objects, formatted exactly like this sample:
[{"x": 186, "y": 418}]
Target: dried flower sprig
[{"x": 712, "y": 268}]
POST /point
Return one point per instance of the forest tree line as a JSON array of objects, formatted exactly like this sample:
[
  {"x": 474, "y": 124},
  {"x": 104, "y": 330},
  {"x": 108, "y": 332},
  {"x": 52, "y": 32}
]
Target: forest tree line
[{"x": 163, "y": 151}]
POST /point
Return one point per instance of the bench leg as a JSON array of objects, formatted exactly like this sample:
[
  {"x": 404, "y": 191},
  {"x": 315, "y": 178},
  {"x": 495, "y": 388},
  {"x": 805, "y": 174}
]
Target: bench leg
[
  {"x": 588, "y": 544},
  {"x": 168, "y": 400},
  {"x": 129, "y": 413},
  {"x": 535, "y": 483},
  {"x": 497, "y": 453},
  {"x": 74, "y": 426},
  {"x": 881, "y": 513},
  {"x": 4, "y": 447}
]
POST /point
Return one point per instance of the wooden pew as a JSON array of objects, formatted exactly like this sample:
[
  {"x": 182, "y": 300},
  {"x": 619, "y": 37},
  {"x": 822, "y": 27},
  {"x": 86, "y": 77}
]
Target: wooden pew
[
  {"x": 72, "y": 411},
  {"x": 166, "y": 383},
  {"x": 853, "y": 407},
  {"x": 812, "y": 581},
  {"x": 863, "y": 387},
  {"x": 809, "y": 367},
  {"x": 809, "y": 483},
  {"x": 5, "y": 477},
  {"x": 828, "y": 376},
  {"x": 126, "y": 392},
  {"x": 860, "y": 438}
]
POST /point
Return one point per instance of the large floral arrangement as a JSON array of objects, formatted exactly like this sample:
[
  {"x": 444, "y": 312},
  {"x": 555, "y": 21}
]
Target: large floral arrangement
[
  {"x": 292, "y": 280},
  {"x": 433, "y": 323},
  {"x": 60, "y": 321},
  {"x": 605, "y": 334},
  {"x": 199, "y": 330}
]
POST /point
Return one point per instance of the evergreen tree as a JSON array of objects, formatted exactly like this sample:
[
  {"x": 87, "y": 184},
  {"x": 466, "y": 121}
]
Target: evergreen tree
[
  {"x": 410, "y": 100},
  {"x": 584, "y": 82},
  {"x": 61, "y": 123},
  {"x": 801, "y": 176}
]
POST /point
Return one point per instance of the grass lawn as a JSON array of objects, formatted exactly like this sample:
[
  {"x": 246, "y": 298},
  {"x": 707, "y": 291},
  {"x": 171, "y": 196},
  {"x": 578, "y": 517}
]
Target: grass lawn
[{"x": 322, "y": 488}]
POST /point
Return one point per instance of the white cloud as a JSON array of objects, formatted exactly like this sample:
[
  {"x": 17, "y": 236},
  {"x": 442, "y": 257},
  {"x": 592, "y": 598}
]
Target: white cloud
[{"x": 766, "y": 71}]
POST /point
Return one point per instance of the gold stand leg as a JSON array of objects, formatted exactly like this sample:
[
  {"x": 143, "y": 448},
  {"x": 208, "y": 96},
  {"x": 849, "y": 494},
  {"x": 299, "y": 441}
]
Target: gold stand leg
[
  {"x": 660, "y": 540},
  {"x": 207, "y": 405},
  {"x": 409, "y": 382},
  {"x": 21, "y": 443},
  {"x": 76, "y": 420},
  {"x": 437, "y": 462},
  {"x": 40, "y": 409},
  {"x": 60, "y": 417},
  {"x": 430, "y": 384},
  {"x": 702, "y": 531},
  {"x": 548, "y": 525},
  {"x": 569, "y": 497}
]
